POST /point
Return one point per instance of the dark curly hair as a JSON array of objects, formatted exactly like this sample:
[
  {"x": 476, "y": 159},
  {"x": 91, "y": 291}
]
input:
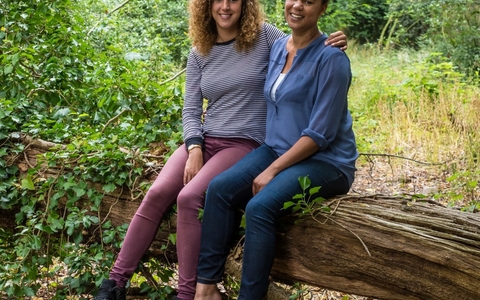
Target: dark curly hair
[{"x": 203, "y": 30}]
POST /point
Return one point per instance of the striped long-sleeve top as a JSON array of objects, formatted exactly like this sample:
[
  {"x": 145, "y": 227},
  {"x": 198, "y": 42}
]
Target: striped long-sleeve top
[{"x": 232, "y": 83}]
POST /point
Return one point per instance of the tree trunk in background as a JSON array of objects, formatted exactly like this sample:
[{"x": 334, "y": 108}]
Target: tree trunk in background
[{"x": 378, "y": 246}]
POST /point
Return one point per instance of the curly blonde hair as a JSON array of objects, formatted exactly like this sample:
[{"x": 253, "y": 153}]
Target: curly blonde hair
[{"x": 203, "y": 30}]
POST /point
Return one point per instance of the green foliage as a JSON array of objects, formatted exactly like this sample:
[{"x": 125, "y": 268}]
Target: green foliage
[
  {"x": 101, "y": 89},
  {"x": 299, "y": 292},
  {"x": 408, "y": 21},
  {"x": 418, "y": 104},
  {"x": 307, "y": 203},
  {"x": 431, "y": 74},
  {"x": 449, "y": 27},
  {"x": 274, "y": 10},
  {"x": 362, "y": 20},
  {"x": 464, "y": 184}
]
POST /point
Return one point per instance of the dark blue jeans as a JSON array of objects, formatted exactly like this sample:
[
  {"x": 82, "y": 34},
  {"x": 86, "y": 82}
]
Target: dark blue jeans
[{"x": 231, "y": 190}]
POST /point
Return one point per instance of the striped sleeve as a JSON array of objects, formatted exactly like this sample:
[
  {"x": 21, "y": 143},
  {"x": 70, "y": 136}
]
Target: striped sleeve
[{"x": 193, "y": 103}]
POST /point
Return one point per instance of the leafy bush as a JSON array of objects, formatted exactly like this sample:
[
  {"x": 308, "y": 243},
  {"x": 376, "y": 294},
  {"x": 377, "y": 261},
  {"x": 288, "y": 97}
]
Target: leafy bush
[
  {"x": 101, "y": 90},
  {"x": 449, "y": 27},
  {"x": 362, "y": 20}
]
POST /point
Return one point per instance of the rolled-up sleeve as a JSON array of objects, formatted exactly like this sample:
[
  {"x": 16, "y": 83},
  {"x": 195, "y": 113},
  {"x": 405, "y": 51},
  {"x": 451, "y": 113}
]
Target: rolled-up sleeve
[{"x": 330, "y": 104}]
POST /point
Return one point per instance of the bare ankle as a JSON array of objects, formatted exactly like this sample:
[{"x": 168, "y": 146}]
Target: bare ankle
[{"x": 207, "y": 292}]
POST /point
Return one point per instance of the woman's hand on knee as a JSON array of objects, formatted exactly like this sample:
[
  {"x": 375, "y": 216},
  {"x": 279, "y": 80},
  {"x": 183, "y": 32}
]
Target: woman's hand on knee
[
  {"x": 193, "y": 165},
  {"x": 261, "y": 181}
]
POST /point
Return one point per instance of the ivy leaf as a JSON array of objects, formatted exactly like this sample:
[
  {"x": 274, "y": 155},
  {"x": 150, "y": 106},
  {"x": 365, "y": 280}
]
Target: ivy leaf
[
  {"x": 61, "y": 113},
  {"x": 79, "y": 191},
  {"x": 78, "y": 239},
  {"x": 28, "y": 291},
  {"x": 7, "y": 69},
  {"x": 172, "y": 237},
  {"x": 109, "y": 187},
  {"x": 297, "y": 196},
  {"x": 27, "y": 183},
  {"x": 36, "y": 242},
  {"x": 68, "y": 185},
  {"x": 44, "y": 228}
]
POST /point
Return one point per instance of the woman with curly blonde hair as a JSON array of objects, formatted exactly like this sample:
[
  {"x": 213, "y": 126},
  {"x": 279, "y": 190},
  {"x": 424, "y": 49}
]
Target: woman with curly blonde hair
[
  {"x": 203, "y": 30},
  {"x": 226, "y": 66}
]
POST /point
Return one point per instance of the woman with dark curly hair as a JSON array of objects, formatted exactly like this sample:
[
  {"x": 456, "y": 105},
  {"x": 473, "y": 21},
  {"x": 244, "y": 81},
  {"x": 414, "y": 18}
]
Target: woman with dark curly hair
[{"x": 227, "y": 67}]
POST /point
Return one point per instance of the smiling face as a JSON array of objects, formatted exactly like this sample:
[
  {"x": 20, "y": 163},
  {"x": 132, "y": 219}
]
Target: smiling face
[
  {"x": 226, "y": 14},
  {"x": 302, "y": 15}
]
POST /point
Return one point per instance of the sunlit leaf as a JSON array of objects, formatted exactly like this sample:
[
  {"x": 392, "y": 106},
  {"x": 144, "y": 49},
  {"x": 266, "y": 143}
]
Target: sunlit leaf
[{"x": 27, "y": 183}]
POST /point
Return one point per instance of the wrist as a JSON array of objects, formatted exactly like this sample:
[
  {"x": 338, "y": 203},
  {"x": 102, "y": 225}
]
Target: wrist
[{"x": 194, "y": 146}]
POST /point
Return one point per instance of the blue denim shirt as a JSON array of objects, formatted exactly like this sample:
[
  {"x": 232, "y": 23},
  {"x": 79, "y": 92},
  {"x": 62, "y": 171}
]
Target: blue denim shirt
[{"x": 312, "y": 101}]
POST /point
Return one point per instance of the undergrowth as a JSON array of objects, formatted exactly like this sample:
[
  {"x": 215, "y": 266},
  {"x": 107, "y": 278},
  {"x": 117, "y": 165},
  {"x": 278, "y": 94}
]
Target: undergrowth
[{"x": 415, "y": 104}]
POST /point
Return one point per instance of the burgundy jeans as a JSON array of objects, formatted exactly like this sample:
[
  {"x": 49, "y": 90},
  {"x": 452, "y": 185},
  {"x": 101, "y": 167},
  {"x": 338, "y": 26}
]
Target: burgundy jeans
[{"x": 219, "y": 154}]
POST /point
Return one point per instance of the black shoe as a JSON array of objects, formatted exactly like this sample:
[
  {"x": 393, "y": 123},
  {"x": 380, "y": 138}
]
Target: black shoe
[{"x": 110, "y": 291}]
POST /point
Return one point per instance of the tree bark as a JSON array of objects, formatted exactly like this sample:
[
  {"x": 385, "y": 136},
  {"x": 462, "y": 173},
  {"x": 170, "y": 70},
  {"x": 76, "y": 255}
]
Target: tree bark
[
  {"x": 418, "y": 250},
  {"x": 377, "y": 246}
]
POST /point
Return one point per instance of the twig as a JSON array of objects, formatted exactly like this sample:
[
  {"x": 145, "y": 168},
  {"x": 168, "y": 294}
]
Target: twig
[
  {"x": 346, "y": 228},
  {"x": 174, "y": 76},
  {"x": 27, "y": 161},
  {"x": 106, "y": 216},
  {"x": 113, "y": 119},
  {"x": 118, "y": 7},
  {"x": 314, "y": 216},
  {"x": 36, "y": 90},
  {"x": 148, "y": 275},
  {"x": 34, "y": 74},
  {"x": 401, "y": 157},
  {"x": 153, "y": 156},
  {"x": 109, "y": 13},
  {"x": 429, "y": 201},
  {"x": 111, "y": 206}
]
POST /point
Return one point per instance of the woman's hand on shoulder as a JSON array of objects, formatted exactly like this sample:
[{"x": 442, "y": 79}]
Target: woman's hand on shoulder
[
  {"x": 193, "y": 165},
  {"x": 337, "y": 39}
]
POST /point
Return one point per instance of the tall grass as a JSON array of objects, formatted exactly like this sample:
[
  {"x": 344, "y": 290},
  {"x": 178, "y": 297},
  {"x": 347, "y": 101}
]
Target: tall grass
[{"x": 416, "y": 105}]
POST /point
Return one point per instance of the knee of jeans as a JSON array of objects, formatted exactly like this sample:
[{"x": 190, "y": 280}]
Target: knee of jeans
[{"x": 258, "y": 211}]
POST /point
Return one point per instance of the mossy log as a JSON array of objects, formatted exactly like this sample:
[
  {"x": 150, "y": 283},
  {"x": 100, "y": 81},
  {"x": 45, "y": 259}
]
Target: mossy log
[{"x": 378, "y": 246}]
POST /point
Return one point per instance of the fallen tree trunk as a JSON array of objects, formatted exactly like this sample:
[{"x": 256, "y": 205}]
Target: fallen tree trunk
[
  {"x": 416, "y": 250},
  {"x": 378, "y": 246}
]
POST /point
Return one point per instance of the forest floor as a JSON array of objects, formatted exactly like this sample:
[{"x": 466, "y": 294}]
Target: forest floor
[
  {"x": 395, "y": 176},
  {"x": 378, "y": 175}
]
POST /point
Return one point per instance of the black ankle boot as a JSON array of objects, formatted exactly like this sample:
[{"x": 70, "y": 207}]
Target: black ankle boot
[{"x": 110, "y": 291}]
